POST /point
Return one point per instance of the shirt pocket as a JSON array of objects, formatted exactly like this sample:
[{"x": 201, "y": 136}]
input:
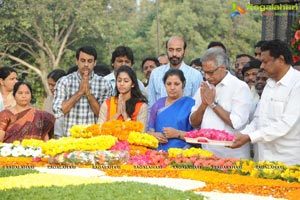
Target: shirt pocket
[{"x": 276, "y": 107}]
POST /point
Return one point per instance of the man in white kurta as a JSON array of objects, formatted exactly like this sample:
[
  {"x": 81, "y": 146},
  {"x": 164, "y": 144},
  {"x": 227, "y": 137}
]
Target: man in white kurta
[
  {"x": 224, "y": 102},
  {"x": 276, "y": 126}
]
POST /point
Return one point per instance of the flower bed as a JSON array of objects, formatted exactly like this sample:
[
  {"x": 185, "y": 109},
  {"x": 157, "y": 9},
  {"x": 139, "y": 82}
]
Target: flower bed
[{"x": 106, "y": 151}]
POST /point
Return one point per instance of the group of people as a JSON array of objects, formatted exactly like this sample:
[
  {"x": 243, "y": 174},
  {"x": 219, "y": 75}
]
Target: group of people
[{"x": 175, "y": 99}]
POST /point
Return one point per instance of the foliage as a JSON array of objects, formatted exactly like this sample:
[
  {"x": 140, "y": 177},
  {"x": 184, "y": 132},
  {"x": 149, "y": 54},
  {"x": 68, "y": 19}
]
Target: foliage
[
  {"x": 39, "y": 35},
  {"x": 119, "y": 190}
]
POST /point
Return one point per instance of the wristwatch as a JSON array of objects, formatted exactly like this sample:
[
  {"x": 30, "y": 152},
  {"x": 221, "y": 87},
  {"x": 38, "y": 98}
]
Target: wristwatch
[{"x": 213, "y": 105}]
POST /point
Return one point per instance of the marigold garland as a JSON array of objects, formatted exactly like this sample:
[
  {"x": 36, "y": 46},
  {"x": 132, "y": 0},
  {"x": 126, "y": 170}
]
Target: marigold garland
[
  {"x": 80, "y": 131},
  {"x": 121, "y": 129},
  {"x": 67, "y": 144},
  {"x": 95, "y": 129},
  {"x": 142, "y": 139},
  {"x": 175, "y": 152},
  {"x": 137, "y": 150}
]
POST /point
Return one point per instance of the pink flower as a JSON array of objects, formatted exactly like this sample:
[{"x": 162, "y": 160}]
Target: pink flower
[{"x": 297, "y": 35}]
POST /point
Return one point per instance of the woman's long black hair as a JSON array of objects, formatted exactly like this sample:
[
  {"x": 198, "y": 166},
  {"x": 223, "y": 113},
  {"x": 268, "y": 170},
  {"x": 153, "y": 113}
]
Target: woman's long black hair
[{"x": 136, "y": 94}]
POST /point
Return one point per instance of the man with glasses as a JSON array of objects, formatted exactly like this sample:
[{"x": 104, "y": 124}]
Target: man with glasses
[
  {"x": 240, "y": 61},
  {"x": 223, "y": 102}
]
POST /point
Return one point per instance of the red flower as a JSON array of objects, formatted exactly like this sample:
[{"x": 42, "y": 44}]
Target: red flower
[
  {"x": 293, "y": 42},
  {"x": 296, "y": 58},
  {"x": 297, "y": 35}
]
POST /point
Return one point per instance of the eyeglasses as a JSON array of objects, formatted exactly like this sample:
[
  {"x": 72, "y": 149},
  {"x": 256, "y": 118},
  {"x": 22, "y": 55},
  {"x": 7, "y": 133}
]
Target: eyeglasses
[{"x": 210, "y": 72}]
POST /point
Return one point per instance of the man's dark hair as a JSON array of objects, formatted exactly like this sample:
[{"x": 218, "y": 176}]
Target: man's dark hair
[
  {"x": 278, "y": 48},
  {"x": 88, "y": 50},
  {"x": 196, "y": 61},
  {"x": 216, "y": 44},
  {"x": 244, "y": 55},
  {"x": 252, "y": 64},
  {"x": 155, "y": 60},
  {"x": 122, "y": 51},
  {"x": 259, "y": 43}
]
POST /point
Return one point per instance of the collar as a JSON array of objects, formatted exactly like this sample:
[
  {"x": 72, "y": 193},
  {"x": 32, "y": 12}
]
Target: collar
[
  {"x": 285, "y": 80},
  {"x": 226, "y": 80}
]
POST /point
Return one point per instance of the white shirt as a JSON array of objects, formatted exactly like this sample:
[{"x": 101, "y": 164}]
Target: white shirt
[
  {"x": 277, "y": 125},
  {"x": 1, "y": 103},
  {"x": 234, "y": 96},
  {"x": 112, "y": 80}
]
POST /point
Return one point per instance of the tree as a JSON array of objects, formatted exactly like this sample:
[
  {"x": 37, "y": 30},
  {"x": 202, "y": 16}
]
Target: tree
[
  {"x": 37, "y": 34},
  {"x": 41, "y": 35}
]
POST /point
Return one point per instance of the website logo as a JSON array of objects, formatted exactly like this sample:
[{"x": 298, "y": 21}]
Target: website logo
[{"x": 236, "y": 10}]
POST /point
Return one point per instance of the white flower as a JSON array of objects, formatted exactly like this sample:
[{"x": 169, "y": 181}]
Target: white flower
[
  {"x": 28, "y": 152},
  {"x": 5, "y": 151},
  {"x": 37, "y": 152},
  {"x": 10, "y": 145},
  {"x": 18, "y": 151}
]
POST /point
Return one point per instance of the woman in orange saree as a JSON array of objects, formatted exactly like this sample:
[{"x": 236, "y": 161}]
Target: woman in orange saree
[{"x": 129, "y": 103}]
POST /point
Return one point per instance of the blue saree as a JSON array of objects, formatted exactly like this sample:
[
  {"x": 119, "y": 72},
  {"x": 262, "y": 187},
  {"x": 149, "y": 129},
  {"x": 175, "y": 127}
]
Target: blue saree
[{"x": 175, "y": 115}]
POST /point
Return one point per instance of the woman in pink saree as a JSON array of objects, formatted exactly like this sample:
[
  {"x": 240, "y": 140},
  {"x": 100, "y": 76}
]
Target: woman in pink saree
[{"x": 22, "y": 121}]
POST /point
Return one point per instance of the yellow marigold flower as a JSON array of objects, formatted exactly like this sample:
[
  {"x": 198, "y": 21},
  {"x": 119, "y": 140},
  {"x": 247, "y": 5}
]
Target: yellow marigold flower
[
  {"x": 255, "y": 172},
  {"x": 79, "y": 131},
  {"x": 247, "y": 166},
  {"x": 17, "y": 142},
  {"x": 142, "y": 139},
  {"x": 175, "y": 152},
  {"x": 67, "y": 144}
]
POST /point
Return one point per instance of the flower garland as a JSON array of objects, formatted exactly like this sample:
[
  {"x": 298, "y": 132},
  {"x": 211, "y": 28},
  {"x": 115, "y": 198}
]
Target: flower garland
[
  {"x": 117, "y": 128},
  {"x": 142, "y": 139},
  {"x": 176, "y": 152},
  {"x": 121, "y": 129},
  {"x": 67, "y": 144},
  {"x": 80, "y": 131},
  {"x": 137, "y": 150},
  {"x": 114, "y": 157},
  {"x": 16, "y": 150}
]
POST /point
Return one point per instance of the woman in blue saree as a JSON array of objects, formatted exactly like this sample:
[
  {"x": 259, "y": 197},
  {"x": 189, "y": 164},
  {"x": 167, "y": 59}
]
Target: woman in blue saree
[{"x": 169, "y": 116}]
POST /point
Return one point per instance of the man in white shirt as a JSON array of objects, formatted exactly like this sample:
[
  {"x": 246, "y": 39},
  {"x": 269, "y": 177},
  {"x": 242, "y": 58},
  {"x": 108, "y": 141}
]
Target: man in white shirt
[
  {"x": 276, "y": 125},
  {"x": 122, "y": 55},
  {"x": 223, "y": 102}
]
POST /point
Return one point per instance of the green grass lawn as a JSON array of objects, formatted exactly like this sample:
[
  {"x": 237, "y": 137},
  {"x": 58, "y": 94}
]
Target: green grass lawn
[{"x": 105, "y": 191}]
